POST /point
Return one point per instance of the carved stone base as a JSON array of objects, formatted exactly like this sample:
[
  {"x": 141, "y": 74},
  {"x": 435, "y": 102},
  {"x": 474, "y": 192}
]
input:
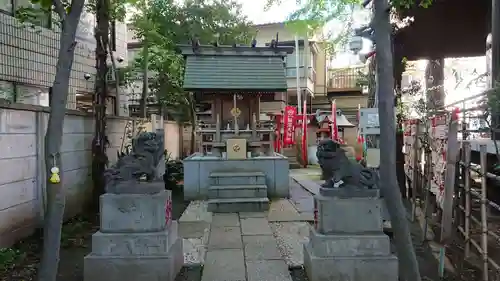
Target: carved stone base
[
  {"x": 347, "y": 192},
  {"x": 348, "y": 243},
  {"x": 133, "y": 212},
  {"x": 348, "y": 215},
  {"x": 133, "y": 268},
  {"x": 136, "y": 241}
]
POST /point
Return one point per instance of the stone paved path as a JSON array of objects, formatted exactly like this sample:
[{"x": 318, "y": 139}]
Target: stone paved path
[{"x": 241, "y": 247}]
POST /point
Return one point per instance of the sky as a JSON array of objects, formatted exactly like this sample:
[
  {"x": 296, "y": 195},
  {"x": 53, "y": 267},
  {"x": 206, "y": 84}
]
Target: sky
[{"x": 254, "y": 10}]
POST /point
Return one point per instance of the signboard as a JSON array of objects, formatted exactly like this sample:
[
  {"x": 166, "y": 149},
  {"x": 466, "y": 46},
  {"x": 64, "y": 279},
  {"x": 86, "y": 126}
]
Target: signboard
[{"x": 289, "y": 128}]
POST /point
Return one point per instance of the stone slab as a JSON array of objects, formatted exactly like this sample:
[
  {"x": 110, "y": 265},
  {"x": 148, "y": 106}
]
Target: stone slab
[
  {"x": 354, "y": 215},
  {"x": 194, "y": 250},
  {"x": 376, "y": 244},
  {"x": 347, "y": 192},
  {"x": 243, "y": 178},
  {"x": 290, "y": 238},
  {"x": 144, "y": 268},
  {"x": 261, "y": 247},
  {"x": 381, "y": 268},
  {"x": 133, "y": 212},
  {"x": 195, "y": 220},
  {"x": 307, "y": 183},
  {"x": 235, "y": 205},
  {"x": 268, "y": 270},
  {"x": 244, "y": 215},
  {"x": 230, "y": 219},
  {"x": 255, "y": 226},
  {"x": 133, "y": 187},
  {"x": 134, "y": 244},
  {"x": 225, "y": 237},
  {"x": 237, "y": 191},
  {"x": 283, "y": 210},
  {"x": 224, "y": 265}
]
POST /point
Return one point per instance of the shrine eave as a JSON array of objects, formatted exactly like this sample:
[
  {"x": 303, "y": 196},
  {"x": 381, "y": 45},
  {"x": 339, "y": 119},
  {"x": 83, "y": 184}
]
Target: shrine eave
[
  {"x": 225, "y": 50},
  {"x": 209, "y": 91}
]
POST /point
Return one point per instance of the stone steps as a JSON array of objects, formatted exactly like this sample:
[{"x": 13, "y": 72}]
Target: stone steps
[
  {"x": 235, "y": 205},
  {"x": 237, "y": 191},
  {"x": 238, "y": 178},
  {"x": 292, "y": 158}
]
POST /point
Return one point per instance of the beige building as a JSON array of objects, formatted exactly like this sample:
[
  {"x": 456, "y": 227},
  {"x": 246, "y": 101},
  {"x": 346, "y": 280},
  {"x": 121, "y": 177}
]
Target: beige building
[
  {"x": 320, "y": 84},
  {"x": 311, "y": 61},
  {"x": 28, "y": 57}
]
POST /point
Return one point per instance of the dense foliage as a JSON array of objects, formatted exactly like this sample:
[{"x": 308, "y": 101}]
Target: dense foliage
[{"x": 167, "y": 23}]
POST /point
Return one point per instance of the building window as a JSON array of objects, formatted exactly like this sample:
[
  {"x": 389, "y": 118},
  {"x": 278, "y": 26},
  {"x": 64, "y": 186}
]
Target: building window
[
  {"x": 6, "y": 7},
  {"x": 25, "y": 94},
  {"x": 7, "y": 91},
  {"x": 34, "y": 95}
]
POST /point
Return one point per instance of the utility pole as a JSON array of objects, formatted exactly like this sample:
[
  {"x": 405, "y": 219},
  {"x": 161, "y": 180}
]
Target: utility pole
[{"x": 389, "y": 187}]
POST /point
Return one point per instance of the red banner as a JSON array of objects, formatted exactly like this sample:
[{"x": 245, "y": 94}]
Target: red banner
[{"x": 288, "y": 125}]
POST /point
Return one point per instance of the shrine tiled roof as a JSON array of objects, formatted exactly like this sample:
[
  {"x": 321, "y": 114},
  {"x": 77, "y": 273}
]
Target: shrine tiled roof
[{"x": 235, "y": 69}]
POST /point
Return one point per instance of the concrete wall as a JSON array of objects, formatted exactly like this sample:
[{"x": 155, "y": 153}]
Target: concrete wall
[
  {"x": 28, "y": 57},
  {"x": 22, "y": 177},
  {"x": 173, "y": 137}
]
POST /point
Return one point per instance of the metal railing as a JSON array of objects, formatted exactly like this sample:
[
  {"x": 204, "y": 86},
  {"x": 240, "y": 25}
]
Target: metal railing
[{"x": 345, "y": 78}]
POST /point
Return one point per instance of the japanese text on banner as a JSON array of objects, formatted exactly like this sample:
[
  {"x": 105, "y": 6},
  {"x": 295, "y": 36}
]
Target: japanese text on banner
[{"x": 289, "y": 128}]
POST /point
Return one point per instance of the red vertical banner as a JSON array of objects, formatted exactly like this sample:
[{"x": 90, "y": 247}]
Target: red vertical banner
[
  {"x": 288, "y": 125},
  {"x": 304, "y": 133},
  {"x": 335, "y": 129}
]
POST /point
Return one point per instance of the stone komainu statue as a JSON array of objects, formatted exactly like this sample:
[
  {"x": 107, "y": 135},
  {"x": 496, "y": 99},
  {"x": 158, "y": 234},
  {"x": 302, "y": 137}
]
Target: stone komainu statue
[
  {"x": 340, "y": 171},
  {"x": 141, "y": 165}
]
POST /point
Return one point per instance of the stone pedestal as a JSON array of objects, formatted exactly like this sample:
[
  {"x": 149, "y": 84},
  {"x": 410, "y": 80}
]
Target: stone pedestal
[
  {"x": 347, "y": 242},
  {"x": 136, "y": 240}
]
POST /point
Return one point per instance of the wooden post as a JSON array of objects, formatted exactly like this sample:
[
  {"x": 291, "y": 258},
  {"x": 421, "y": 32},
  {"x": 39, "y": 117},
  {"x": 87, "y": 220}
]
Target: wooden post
[
  {"x": 467, "y": 198},
  {"x": 415, "y": 172},
  {"x": 254, "y": 127},
  {"x": 426, "y": 187},
  {"x": 217, "y": 128},
  {"x": 153, "y": 123},
  {"x": 449, "y": 182},
  {"x": 484, "y": 206}
]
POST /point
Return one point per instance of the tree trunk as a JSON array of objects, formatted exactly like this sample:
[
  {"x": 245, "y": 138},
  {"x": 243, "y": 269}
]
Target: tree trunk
[
  {"x": 389, "y": 188},
  {"x": 100, "y": 159},
  {"x": 145, "y": 81},
  {"x": 56, "y": 197},
  {"x": 434, "y": 83}
]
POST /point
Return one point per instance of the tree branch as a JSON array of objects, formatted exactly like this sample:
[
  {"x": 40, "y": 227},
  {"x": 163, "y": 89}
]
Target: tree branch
[
  {"x": 73, "y": 11},
  {"x": 59, "y": 8}
]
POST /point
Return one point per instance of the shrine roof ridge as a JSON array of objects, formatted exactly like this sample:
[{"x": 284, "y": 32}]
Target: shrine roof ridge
[{"x": 228, "y": 50}]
